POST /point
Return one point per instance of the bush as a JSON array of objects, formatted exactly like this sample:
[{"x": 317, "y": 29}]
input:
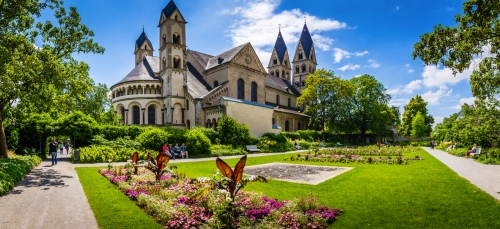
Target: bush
[
  {"x": 233, "y": 133},
  {"x": 225, "y": 150},
  {"x": 269, "y": 145},
  {"x": 153, "y": 138},
  {"x": 309, "y": 135},
  {"x": 291, "y": 135},
  {"x": 119, "y": 143},
  {"x": 197, "y": 143},
  {"x": 176, "y": 135},
  {"x": 100, "y": 154},
  {"x": 14, "y": 169},
  {"x": 210, "y": 133}
]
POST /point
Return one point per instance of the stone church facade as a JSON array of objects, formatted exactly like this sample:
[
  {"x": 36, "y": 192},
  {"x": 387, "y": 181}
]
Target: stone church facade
[{"x": 185, "y": 88}]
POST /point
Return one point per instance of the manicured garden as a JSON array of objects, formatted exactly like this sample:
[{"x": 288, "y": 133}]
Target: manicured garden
[
  {"x": 423, "y": 194},
  {"x": 13, "y": 170}
]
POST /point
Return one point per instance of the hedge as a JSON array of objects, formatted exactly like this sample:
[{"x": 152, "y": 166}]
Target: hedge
[{"x": 14, "y": 169}]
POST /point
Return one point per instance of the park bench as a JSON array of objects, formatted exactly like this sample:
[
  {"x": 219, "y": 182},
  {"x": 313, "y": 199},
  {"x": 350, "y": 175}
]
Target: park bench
[
  {"x": 478, "y": 151},
  {"x": 322, "y": 144},
  {"x": 252, "y": 148},
  {"x": 338, "y": 144}
]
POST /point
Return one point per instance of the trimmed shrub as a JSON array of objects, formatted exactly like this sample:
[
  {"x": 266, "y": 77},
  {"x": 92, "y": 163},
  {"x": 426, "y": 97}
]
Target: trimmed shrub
[
  {"x": 210, "y": 133},
  {"x": 233, "y": 133},
  {"x": 291, "y": 135},
  {"x": 153, "y": 138},
  {"x": 100, "y": 154},
  {"x": 14, "y": 169},
  {"x": 225, "y": 150},
  {"x": 176, "y": 135},
  {"x": 119, "y": 143},
  {"x": 197, "y": 143},
  {"x": 310, "y": 135}
]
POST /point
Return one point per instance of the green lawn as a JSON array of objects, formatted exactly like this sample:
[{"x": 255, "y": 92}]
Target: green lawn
[{"x": 426, "y": 194}]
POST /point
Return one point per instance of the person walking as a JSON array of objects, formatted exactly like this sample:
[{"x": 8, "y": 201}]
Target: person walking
[
  {"x": 53, "y": 151},
  {"x": 61, "y": 147},
  {"x": 67, "y": 147}
]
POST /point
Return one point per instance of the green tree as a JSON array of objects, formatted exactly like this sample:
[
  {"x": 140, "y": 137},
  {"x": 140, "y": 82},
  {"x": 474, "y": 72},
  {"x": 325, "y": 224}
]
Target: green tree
[
  {"x": 153, "y": 138},
  {"x": 443, "y": 131},
  {"x": 78, "y": 126},
  {"x": 233, "y": 133},
  {"x": 457, "y": 47},
  {"x": 415, "y": 105},
  {"x": 419, "y": 128},
  {"x": 34, "y": 132},
  {"x": 328, "y": 95},
  {"x": 197, "y": 142},
  {"x": 369, "y": 110},
  {"x": 32, "y": 75}
]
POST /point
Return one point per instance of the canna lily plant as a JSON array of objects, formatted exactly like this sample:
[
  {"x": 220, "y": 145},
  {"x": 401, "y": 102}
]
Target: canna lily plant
[
  {"x": 232, "y": 180},
  {"x": 159, "y": 165}
]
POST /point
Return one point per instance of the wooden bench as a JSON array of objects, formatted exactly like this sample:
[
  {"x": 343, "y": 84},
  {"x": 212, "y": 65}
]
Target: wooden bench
[
  {"x": 478, "y": 151},
  {"x": 252, "y": 148}
]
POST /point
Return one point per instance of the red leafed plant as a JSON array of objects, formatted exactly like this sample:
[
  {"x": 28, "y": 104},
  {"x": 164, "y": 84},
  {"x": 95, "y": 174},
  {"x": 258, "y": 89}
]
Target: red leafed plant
[
  {"x": 135, "y": 161},
  {"x": 159, "y": 165},
  {"x": 232, "y": 180}
]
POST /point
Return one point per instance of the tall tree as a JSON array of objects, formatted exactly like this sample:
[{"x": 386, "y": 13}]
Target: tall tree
[
  {"x": 418, "y": 127},
  {"x": 31, "y": 74},
  {"x": 415, "y": 105},
  {"x": 369, "y": 105},
  {"x": 460, "y": 47},
  {"x": 327, "y": 96}
]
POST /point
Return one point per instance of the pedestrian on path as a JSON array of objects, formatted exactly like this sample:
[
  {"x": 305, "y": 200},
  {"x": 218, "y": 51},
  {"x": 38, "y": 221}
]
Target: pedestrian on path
[
  {"x": 53, "y": 151},
  {"x": 67, "y": 147},
  {"x": 61, "y": 147}
]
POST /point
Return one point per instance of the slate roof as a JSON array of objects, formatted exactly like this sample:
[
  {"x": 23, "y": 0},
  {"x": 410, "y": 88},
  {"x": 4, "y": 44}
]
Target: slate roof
[
  {"x": 144, "y": 70},
  {"x": 306, "y": 40},
  {"x": 290, "y": 111},
  {"x": 142, "y": 38},
  {"x": 280, "y": 47},
  {"x": 246, "y": 102},
  {"x": 195, "y": 87},
  {"x": 227, "y": 56},
  {"x": 202, "y": 58},
  {"x": 280, "y": 84},
  {"x": 169, "y": 9},
  {"x": 198, "y": 77}
]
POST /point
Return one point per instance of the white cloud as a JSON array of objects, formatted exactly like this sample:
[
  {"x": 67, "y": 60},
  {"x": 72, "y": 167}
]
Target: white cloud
[
  {"x": 410, "y": 71},
  {"x": 407, "y": 65},
  {"x": 435, "y": 76},
  {"x": 432, "y": 98},
  {"x": 462, "y": 101},
  {"x": 450, "y": 8},
  {"x": 398, "y": 102},
  {"x": 397, "y": 7},
  {"x": 340, "y": 54},
  {"x": 373, "y": 64},
  {"x": 349, "y": 67},
  {"x": 409, "y": 88},
  {"x": 438, "y": 119},
  {"x": 256, "y": 22},
  {"x": 322, "y": 42}
]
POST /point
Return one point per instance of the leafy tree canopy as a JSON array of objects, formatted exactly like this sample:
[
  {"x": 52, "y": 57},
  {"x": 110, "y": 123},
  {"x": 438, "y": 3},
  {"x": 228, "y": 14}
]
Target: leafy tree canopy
[
  {"x": 419, "y": 128},
  {"x": 415, "y": 105}
]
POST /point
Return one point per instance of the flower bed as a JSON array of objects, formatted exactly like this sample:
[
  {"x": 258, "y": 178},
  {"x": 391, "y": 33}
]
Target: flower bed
[
  {"x": 348, "y": 158},
  {"x": 173, "y": 203},
  {"x": 369, "y": 151}
]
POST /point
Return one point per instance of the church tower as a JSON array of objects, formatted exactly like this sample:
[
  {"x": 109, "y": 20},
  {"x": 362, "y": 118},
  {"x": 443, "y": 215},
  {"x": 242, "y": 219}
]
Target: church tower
[
  {"x": 304, "y": 61},
  {"x": 279, "y": 64},
  {"x": 173, "y": 61},
  {"x": 143, "y": 47}
]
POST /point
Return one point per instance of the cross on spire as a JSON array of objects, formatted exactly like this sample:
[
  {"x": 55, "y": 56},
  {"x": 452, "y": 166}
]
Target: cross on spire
[
  {"x": 279, "y": 27},
  {"x": 305, "y": 20}
]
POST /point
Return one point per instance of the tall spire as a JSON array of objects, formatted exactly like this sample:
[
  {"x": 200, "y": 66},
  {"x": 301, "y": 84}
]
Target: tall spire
[
  {"x": 280, "y": 47},
  {"x": 306, "y": 40},
  {"x": 143, "y": 38}
]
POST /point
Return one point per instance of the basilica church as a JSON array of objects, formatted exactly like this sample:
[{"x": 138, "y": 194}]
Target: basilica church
[{"x": 185, "y": 88}]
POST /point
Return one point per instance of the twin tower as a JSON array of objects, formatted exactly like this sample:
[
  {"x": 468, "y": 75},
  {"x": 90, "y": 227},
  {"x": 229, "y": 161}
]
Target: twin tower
[{"x": 304, "y": 60}]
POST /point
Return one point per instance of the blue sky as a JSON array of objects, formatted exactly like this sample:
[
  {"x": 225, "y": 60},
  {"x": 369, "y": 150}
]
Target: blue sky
[{"x": 351, "y": 38}]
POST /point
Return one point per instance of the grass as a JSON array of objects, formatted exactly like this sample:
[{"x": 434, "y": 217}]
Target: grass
[
  {"x": 112, "y": 209},
  {"x": 426, "y": 194}
]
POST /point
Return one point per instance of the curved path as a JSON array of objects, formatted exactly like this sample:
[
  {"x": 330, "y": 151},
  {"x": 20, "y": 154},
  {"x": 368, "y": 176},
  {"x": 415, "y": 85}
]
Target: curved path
[{"x": 485, "y": 177}]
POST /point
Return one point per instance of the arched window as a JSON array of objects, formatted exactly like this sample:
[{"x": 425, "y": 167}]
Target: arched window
[
  {"x": 303, "y": 68},
  {"x": 297, "y": 69},
  {"x": 188, "y": 123},
  {"x": 216, "y": 84},
  {"x": 275, "y": 61},
  {"x": 312, "y": 56},
  {"x": 272, "y": 73},
  {"x": 278, "y": 99},
  {"x": 298, "y": 126},
  {"x": 254, "y": 92},
  {"x": 278, "y": 73},
  {"x": 214, "y": 123},
  {"x": 137, "y": 115},
  {"x": 177, "y": 62},
  {"x": 164, "y": 63},
  {"x": 274, "y": 121},
  {"x": 287, "y": 126},
  {"x": 175, "y": 17},
  {"x": 187, "y": 104},
  {"x": 176, "y": 38},
  {"x": 286, "y": 62},
  {"x": 241, "y": 89},
  {"x": 289, "y": 102},
  {"x": 283, "y": 73},
  {"x": 208, "y": 124},
  {"x": 300, "y": 55},
  {"x": 152, "y": 115},
  {"x": 164, "y": 39},
  {"x": 122, "y": 112}
]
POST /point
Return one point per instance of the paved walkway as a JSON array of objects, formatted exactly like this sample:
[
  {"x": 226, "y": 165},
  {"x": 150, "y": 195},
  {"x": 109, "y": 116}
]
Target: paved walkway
[
  {"x": 48, "y": 197},
  {"x": 485, "y": 177}
]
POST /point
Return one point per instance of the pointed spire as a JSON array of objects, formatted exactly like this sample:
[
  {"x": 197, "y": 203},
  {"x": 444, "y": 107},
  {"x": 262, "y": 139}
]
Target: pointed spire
[
  {"x": 143, "y": 38},
  {"x": 169, "y": 9},
  {"x": 306, "y": 40},
  {"x": 280, "y": 47}
]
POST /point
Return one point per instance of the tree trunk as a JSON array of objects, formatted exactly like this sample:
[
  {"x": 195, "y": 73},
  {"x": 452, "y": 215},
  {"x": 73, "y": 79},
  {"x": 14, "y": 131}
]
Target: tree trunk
[{"x": 4, "y": 151}]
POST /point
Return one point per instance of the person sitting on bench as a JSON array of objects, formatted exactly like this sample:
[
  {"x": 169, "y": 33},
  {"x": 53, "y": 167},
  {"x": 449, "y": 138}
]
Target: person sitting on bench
[
  {"x": 176, "y": 151},
  {"x": 473, "y": 150},
  {"x": 452, "y": 146}
]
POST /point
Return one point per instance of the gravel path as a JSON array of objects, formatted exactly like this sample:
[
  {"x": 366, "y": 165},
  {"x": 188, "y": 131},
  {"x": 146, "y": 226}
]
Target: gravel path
[
  {"x": 485, "y": 177},
  {"x": 48, "y": 197}
]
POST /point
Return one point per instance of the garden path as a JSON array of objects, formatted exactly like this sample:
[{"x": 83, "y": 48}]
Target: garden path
[
  {"x": 485, "y": 177},
  {"x": 48, "y": 197}
]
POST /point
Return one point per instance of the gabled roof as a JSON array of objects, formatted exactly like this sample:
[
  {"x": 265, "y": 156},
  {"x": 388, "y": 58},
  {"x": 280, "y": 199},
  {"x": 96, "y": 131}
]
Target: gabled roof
[
  {"x": 280, "y": 47},
  {"x": 226, "y": 56},
  {"x": 202, "y": 58},
  {"x": 144, "y": 70},
  {"x": 142, "y": 38},
  {"x": 281, "y": 84},
  {"x": 195, "y": 87},
  {"x": 246, "y": 102},
  {"x": 306, "y": 41},
  {"x": 169, "y": 9},
  {"x": 198, "y": 77}
]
